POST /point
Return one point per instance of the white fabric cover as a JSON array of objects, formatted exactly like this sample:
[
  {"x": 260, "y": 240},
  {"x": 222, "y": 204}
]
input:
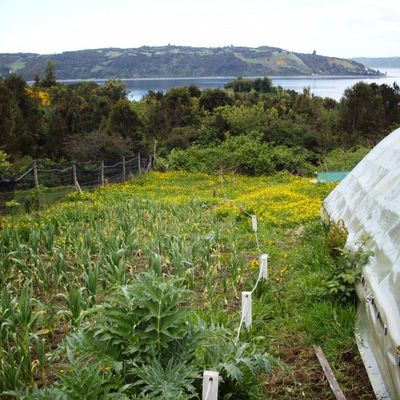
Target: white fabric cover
[{"x": 368, "y": 202}]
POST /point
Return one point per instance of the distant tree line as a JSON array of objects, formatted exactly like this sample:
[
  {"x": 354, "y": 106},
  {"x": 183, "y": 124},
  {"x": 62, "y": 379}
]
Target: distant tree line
[{"x": 85, "y": 121}]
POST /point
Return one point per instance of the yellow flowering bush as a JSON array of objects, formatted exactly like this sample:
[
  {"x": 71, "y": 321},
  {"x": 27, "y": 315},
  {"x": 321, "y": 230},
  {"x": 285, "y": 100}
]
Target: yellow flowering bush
[{"x": 40, "y": 95}]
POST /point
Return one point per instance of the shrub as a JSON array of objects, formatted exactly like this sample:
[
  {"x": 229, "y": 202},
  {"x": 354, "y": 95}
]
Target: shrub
[
  {"x": 95, "y": 146},
  {"x": 147, "y": 342},
  {"x": 244, "y": 154},
  {"x": 344, "y": 160}
]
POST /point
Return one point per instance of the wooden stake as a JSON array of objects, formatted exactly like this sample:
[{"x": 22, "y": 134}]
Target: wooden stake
[
  {"x": 123, "y": 169},
  {"x": 35, "y": 174},
  {"x": 149, "y": 164},
  {"x": 139, "y": 165},
  {"x": 102, "y": 174},
  {"x": 155, "y": 150},
  {"x": 76, "y": 183},
  {"x": 333, "y": 383}
]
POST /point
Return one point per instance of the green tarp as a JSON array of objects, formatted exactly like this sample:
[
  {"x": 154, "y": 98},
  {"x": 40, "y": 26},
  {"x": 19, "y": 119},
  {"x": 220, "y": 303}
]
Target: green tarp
[{"x": 333, "y": 176}]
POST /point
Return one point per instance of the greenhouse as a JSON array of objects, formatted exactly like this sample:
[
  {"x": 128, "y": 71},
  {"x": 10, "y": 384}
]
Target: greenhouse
[{"x": 368, "y": 203}]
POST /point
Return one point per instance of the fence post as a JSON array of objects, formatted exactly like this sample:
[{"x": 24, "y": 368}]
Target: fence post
[
  {"x": 149, "y": 164},
  {"x": 155, "y": 151},
  {"x": 76, "y": 183},
  {"x": 123, "y": 169},
  {"x": 254, "y": 222},
  {"x": 246, "y": 309},
  {"x": 139, "y": 165},
  {"x": 264, "y": 266},
  {"x": 102, "y": 174},
  {"x": 210, "y": 385},
  {"x": 35, "y": 175}
]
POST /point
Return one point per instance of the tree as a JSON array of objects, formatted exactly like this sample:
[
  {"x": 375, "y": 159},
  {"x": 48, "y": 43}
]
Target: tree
[
  {"x": 212, "y": 98},
  {"x": 263, "y": 85},
  {"x": 96, "y": 146},
  {"x": 124, "y": 120},
  {"x": 49, "y": 78},
  {"x": 240, "y": 85},
  {"x": 179, "y": 107},
  {"x": 114, "y": 89},
  {"x": 194, "y": 91},
  {"x": 362, "y": 110}
]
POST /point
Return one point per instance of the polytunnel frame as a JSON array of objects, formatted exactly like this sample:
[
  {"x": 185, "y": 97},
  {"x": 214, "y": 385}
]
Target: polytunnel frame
[{"x": 368, "y": 203}]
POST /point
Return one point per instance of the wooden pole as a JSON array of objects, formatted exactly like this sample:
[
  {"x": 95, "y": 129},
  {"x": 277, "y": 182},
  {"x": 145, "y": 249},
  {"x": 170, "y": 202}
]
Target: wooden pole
[
  {"x": 139, "y": 165},
  {"x": 333, "y": 383},
  {"x": 102, "y": 174},
  {"x": 76, "y": 183},
  {"x": 149, "y": 164},
  {"x": 155, "y": 151},
  {"x": 35, "y": 174},
  {"x": 123, "y": 169}
]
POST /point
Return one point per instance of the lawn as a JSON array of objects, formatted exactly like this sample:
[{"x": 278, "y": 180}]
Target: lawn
[{"x": 134, "y": 290}]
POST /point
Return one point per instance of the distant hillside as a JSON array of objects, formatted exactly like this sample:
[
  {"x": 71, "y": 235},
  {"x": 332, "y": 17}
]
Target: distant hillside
[
  {"x": 379, "y": 62},
  {"x": 177, "y": 61}
]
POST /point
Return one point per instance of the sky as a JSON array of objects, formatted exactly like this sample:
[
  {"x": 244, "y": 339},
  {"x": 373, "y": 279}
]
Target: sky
[{"x": 341, "y": 28}]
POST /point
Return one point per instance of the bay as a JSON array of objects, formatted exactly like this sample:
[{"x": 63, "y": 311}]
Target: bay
[{"x": 324, "y": 86}]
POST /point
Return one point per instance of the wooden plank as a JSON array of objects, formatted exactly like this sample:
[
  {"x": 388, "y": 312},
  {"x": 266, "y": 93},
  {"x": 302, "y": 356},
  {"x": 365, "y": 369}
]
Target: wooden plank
[{"x": 333, "y": 383}]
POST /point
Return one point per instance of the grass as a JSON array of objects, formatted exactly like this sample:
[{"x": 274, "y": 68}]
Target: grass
[
  {"x": 17, "y": 65},
  {"x": 59, "y": 263}
]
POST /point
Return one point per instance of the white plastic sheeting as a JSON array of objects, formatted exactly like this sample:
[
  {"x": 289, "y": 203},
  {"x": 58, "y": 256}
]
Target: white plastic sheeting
[{"x": 368, "y": 202}]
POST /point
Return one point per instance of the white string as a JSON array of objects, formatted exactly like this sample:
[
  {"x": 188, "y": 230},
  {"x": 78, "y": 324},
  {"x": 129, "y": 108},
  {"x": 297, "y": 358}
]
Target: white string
[
  {"x": 113, "y": 166},
  {"x": 54, "y": 170},
  {"x": 255, "y": 231},
  {"x": 245, "y": 304},
  {"x": 24, "y": 174},
  {"x": 257, "y": 242},
  {"x": 257, "y": 281}
]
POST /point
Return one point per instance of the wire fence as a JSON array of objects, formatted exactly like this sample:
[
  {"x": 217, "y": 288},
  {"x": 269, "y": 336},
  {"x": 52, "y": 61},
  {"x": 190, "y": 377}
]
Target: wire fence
[{"x": 58, "y": 179}]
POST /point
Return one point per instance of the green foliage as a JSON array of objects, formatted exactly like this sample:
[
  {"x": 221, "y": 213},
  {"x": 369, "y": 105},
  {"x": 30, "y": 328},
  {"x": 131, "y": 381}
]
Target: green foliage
[
  {"x": 113, "y": 89},
  {"x": 336, "y": 237},
  {"x": 259, "y": 85},
  {"x": 49, "y": 78},
  {"x": 362, "y": 111},
  {"x": 155, "y": 346},
  {"x": 124, "y": 121},
  {"x": 348, "y": 268},
  {"x": 344, "y": 160},
  {"x": 210, "y": 99},
  {"x": 174, "y": 381},
  {"x": 4, "y": 164},
  {"x": 85, "y": 120},
  {"x": 97, "y": 146},
  {"x": 244, "y": 154},
  {"x": 66, "y": 273},
  {"x": 181, "y": 61}
]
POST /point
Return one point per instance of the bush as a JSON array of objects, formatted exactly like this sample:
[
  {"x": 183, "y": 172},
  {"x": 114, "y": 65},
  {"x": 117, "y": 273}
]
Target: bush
[
  {"x": 96, "y": 146},
  {"x": 344, "y": 160},
  {"x": 244, "y": 154},
  {"x": 144, "y": 342}
]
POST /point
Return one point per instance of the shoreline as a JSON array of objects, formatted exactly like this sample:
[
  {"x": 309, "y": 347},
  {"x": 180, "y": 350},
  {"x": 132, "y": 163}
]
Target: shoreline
[{"x": 317, "y": 77}]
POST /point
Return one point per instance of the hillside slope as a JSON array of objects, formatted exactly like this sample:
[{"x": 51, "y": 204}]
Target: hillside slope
[
  {"x": 379, "y": 62},
  {"x": 178, "y": 61}
]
